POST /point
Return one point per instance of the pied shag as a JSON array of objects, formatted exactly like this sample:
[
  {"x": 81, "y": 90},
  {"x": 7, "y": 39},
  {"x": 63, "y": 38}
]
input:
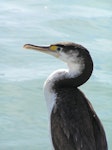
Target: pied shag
[{"x": 74, "y": 125}]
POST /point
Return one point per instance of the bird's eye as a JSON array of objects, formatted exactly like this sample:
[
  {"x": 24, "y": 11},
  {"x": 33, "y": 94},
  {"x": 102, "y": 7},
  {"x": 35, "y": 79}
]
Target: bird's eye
[{"x": 59, "y": 48}]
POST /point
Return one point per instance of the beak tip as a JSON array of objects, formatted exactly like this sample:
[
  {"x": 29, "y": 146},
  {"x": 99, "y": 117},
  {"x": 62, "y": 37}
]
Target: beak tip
[{"x": 26, "y": 46}]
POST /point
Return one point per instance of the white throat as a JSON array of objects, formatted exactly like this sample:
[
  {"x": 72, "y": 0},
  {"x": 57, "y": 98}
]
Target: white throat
[{"x": 75, "y": 69}]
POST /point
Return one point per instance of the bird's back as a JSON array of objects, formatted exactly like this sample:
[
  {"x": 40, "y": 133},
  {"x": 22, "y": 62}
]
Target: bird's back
[{"x": 74, "y": 124}]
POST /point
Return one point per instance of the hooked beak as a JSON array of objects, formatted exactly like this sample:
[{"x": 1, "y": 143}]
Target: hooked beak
[{"x": 44, "y": 49}]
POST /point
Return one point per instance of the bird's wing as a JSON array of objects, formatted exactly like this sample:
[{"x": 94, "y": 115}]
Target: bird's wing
[
  {"x": 99, "y": 133},
  {"x": 74, "y": 125}
]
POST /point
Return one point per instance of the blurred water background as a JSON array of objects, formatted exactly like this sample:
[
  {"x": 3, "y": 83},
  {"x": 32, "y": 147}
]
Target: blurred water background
[{"x": 23, "y": 112}]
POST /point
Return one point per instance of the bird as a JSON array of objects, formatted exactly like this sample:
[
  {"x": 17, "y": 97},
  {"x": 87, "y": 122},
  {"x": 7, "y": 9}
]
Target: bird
[{"x": 74, "y": 124}]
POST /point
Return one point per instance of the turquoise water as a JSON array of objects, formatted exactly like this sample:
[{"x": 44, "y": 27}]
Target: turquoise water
[{"x": 23, "y": 112}]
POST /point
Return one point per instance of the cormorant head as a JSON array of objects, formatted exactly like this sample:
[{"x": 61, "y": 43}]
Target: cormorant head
[
  {"x": 65, "y": 51},
  {"x": 76, "y": 56}
]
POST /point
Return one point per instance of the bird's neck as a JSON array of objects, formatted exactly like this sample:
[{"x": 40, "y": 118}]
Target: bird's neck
[{"x": 77, "y": 75}]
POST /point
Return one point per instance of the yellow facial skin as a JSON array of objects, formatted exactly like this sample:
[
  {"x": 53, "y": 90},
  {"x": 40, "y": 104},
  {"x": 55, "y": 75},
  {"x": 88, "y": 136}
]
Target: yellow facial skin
[{"x": 53, "y": 47}]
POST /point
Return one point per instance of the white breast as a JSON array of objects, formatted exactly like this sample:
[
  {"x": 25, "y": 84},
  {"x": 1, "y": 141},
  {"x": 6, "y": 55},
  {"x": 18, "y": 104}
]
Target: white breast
[{"x": 50, "y": 95}]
